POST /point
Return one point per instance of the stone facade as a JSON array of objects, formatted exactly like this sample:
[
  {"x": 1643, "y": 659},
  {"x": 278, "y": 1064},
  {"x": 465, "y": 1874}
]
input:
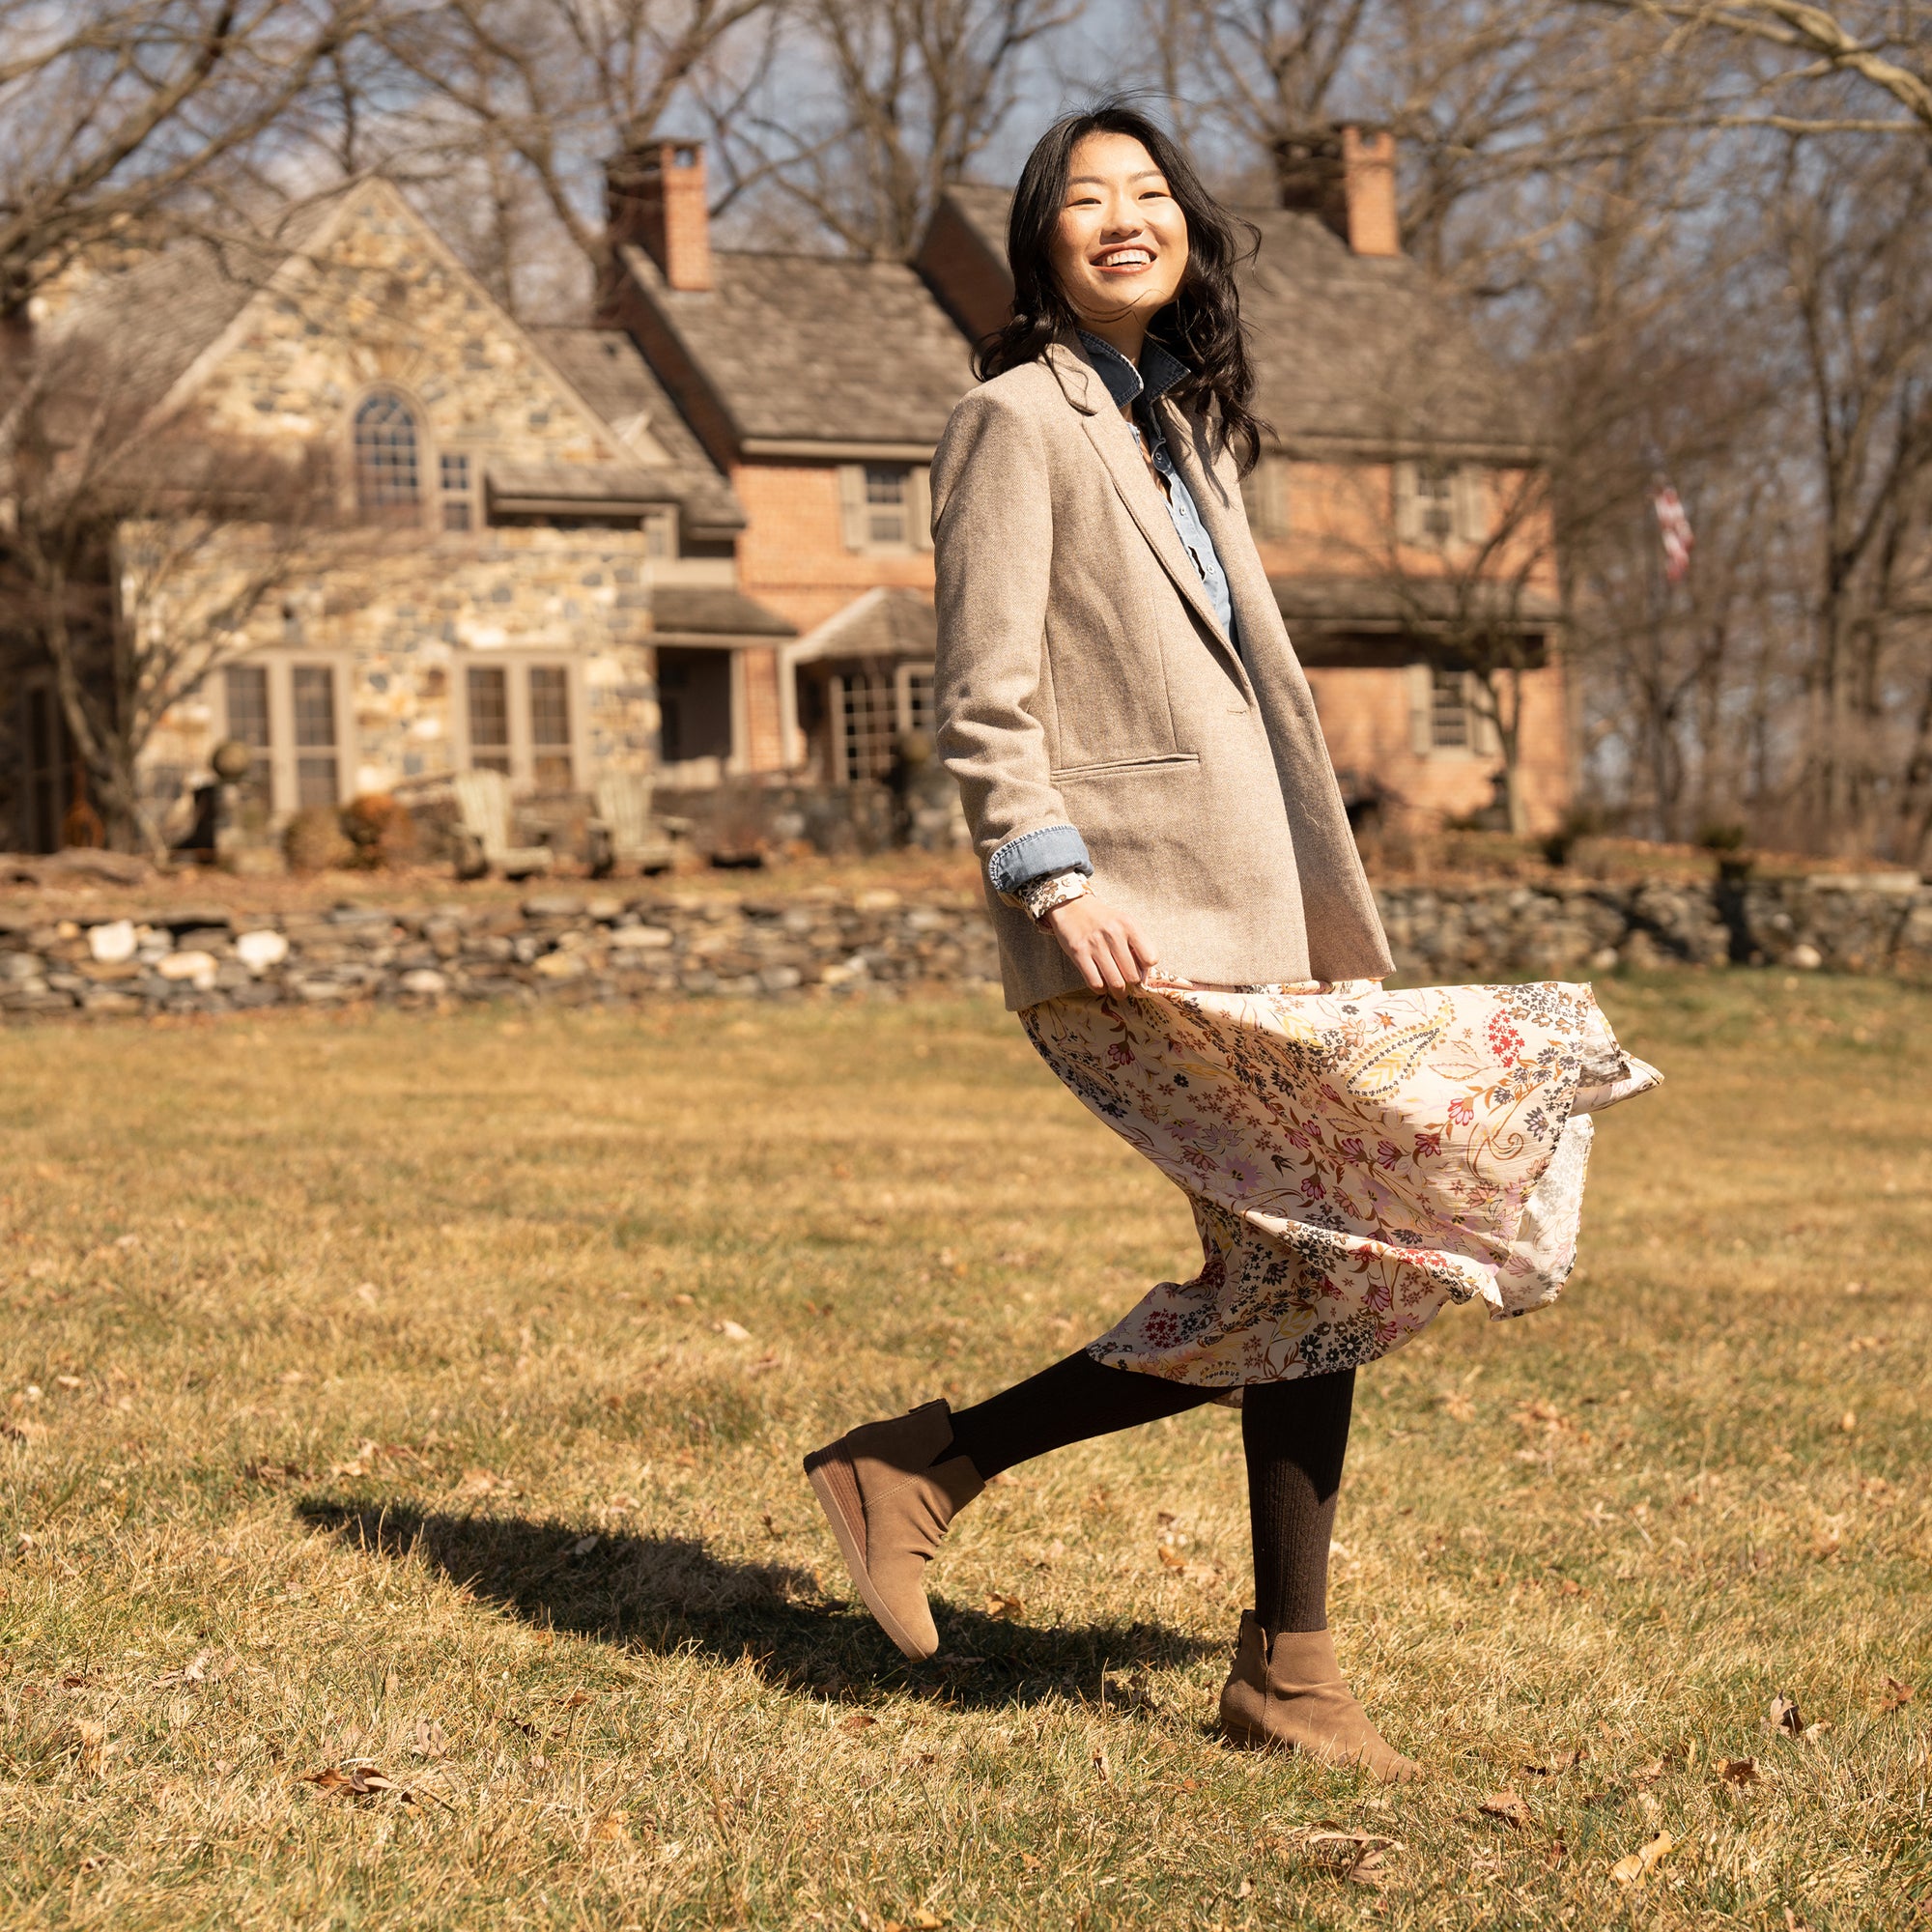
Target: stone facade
[
  {"x": 393, "y": 608},
  {"x": 576, "y": 947}
]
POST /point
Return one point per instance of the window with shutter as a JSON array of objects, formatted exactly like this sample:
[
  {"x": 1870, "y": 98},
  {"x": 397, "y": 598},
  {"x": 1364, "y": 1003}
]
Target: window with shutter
[{"x": 884, "y": 508}]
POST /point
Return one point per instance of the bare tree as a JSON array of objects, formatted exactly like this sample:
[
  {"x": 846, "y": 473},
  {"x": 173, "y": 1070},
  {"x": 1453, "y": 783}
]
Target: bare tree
[
  {"x": 1838, "y": 60},
  {"x": 1851, "y": 231},
  {"x": 115, "y": 109},
  {"x": 137, "y": 557},
  {"x": 909, "y": 96},
  {"x": 538, "y": 93}
]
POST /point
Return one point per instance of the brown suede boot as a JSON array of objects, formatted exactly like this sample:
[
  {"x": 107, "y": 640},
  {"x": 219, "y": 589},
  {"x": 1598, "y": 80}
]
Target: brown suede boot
[
  {"x": 1287, "y": 1694},
  {"x": 889, "y": 1508}
]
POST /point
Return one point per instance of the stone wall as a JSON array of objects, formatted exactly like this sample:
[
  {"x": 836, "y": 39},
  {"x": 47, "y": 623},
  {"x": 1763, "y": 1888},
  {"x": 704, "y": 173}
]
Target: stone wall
[{"x": 570, "y": 946}]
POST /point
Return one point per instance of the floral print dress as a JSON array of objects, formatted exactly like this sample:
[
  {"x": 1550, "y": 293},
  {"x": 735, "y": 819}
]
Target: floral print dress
[{"x": 1355, "y": 1158}]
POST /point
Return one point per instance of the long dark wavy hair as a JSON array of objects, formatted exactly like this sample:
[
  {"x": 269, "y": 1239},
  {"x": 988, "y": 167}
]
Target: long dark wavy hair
[{"x": 1202, "y": 326}]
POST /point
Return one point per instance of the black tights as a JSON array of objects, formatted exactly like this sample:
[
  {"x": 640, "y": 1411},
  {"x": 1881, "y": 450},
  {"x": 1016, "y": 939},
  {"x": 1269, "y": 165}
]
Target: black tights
[{"x": 1294, "y": 1435}]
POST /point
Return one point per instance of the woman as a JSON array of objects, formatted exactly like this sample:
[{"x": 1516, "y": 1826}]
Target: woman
[{"x": 1146, "y": 781}]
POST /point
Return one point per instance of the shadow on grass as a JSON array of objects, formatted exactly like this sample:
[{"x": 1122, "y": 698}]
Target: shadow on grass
[{"x": 669, "y": 1592}]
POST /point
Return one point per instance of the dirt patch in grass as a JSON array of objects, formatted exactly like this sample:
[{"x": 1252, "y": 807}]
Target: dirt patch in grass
[{"x": 395, "y": 1533}]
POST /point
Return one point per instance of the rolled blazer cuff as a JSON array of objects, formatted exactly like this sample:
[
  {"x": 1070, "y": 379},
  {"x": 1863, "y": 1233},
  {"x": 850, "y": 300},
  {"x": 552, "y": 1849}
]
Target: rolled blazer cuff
[{"x": 1032, "y": 855}]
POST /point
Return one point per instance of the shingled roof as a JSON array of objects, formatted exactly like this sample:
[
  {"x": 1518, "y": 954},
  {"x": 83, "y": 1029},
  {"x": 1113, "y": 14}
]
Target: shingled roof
[
  {"x": 1365, "y": 351},
  {"x": 813, "y": 349},
  {"x": 156, "y": 315},
  {"x": 607, "y": 370}
]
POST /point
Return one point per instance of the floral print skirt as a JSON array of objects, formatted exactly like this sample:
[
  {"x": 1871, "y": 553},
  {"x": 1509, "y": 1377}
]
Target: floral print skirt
[{"x": 1354, "y": 1157}]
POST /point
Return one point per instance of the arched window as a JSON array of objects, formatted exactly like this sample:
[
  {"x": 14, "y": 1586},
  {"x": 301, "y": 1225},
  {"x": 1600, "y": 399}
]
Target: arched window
[{"x": 388, "y": 480}]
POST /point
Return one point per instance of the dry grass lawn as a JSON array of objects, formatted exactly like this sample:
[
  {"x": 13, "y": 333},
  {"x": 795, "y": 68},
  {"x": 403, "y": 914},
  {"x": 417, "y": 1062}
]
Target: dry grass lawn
[{"x": 402, "y": 1523}]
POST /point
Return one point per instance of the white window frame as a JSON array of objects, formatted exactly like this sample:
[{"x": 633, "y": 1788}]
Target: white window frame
[
  {"x": 283, "y": 798},
  {"x": 517, "y": 666},
  {"x": 1467, "y": 503},
  {"x": 1480, "y": 743},
  {"x": 855, "y": 512},
  {"x": 470, "y": 496}
]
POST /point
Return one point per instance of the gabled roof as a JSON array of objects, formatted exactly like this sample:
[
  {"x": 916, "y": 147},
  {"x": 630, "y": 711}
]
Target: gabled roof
[
  {"x": 610, "y": 373},
  {"x": 164, "y": 324},
  {"x": 1353, "y": 354},
  {"x": 805, "y": 351}
]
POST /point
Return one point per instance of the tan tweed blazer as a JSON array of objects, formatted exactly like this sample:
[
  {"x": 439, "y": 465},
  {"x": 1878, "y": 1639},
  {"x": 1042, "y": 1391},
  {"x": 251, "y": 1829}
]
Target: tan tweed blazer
[{"x": 1084, "y": 680}]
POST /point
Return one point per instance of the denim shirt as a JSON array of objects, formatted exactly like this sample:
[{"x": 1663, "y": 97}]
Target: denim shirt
[
  {"x": 1141, "y": 388},
  {"x": 1034, "y": 857}
]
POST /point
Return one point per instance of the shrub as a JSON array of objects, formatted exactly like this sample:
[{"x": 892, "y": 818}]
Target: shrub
[
  {"x": 313, "y": 841},
  {"x": 379, "y": 829}
]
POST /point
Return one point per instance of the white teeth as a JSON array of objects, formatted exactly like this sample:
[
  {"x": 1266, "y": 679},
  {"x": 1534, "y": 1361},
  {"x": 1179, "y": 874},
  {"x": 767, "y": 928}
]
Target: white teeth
[{"x": 1127, "y": 258}]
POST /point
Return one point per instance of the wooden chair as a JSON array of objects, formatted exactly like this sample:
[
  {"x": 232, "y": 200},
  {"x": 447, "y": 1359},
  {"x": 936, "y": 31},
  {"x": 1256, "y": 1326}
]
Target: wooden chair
[
  {"x": 624, "y": 830},
  {"x": 483, "y": 835}
]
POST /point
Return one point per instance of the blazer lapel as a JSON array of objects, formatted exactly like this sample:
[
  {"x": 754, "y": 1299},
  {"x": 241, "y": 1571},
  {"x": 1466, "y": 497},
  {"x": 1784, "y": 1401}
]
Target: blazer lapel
[{"x": 1147, "y": 502}]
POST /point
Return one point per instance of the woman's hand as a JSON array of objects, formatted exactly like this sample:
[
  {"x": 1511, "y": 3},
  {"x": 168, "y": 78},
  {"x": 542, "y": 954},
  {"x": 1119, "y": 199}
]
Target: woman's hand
[{"x": 1104, "y": 944}]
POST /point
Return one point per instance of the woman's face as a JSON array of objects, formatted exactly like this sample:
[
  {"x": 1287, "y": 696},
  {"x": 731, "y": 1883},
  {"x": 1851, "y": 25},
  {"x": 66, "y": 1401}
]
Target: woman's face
[{"x": 1120, "y": 248}]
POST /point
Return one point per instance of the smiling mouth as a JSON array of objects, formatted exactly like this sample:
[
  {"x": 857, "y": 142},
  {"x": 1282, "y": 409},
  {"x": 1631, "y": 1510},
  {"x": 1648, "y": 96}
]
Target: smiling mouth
[{"x": 1124, "y": 258}]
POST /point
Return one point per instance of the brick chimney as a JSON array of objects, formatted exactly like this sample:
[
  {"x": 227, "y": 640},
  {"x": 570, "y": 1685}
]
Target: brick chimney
[
  {"x": 1347, "y": 178},
  {"x": 1368, "y": 189},
  {"x": 654, "y": 195}
]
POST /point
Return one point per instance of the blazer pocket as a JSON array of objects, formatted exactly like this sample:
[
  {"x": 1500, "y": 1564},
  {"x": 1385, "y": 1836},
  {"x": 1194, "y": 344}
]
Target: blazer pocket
[{"x": 1170, "y": 761}]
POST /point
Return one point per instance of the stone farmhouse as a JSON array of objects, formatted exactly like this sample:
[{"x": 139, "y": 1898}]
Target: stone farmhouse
[{"x": 691, "y": 539}]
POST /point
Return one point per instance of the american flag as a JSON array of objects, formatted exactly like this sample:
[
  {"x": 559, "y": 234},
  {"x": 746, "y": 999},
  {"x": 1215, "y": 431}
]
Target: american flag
[{"x": 1673, "y": 526}]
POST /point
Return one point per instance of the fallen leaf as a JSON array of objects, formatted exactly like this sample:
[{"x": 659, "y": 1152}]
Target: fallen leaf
[
  {"x": 355, "y": 1780},
  {"x": 998, "y": 1605},
  {"x": 1245, "y": 1890},
  {"x": 91, "y": 1738},
  {"x": 684, "y": 1302},
  {"x": 857, "y": 1722},
  {"x": 584, "y": 1545},
  {"x": 1169, "y": 1559},
  {"x": 1739, "y": 1771},
  {"x": 477, "y": 1483},
  {"x": 67, "y": 1381},
  {"x": 1563, "y": 1761},
  {"x": 926, "y": 1921},
  {"x": 431, "y": 1740},
  {"x": 1634, "y": 1868},
  {"x": 609, "y": 1830},
  {"x": 1101, "y": 1765},
  {"x": 732, "y": 1331},
  {"x": 1457, "y": 1407},
  {"x": 1506, "y": 1805},
  {"x": 1360, "y": 1856},
  {"x": 1848, "y": 1422},
  {"x": 1896, "y": 1696},
  {"x": 574, "y": 1699},
  {"x": 273, "y": 1472},
  {"x": 1784, "y": 1716}
]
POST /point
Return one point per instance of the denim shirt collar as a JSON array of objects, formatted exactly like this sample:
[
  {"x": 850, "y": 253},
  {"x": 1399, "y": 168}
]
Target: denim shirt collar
[{"x": 1157, "y": 373}]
